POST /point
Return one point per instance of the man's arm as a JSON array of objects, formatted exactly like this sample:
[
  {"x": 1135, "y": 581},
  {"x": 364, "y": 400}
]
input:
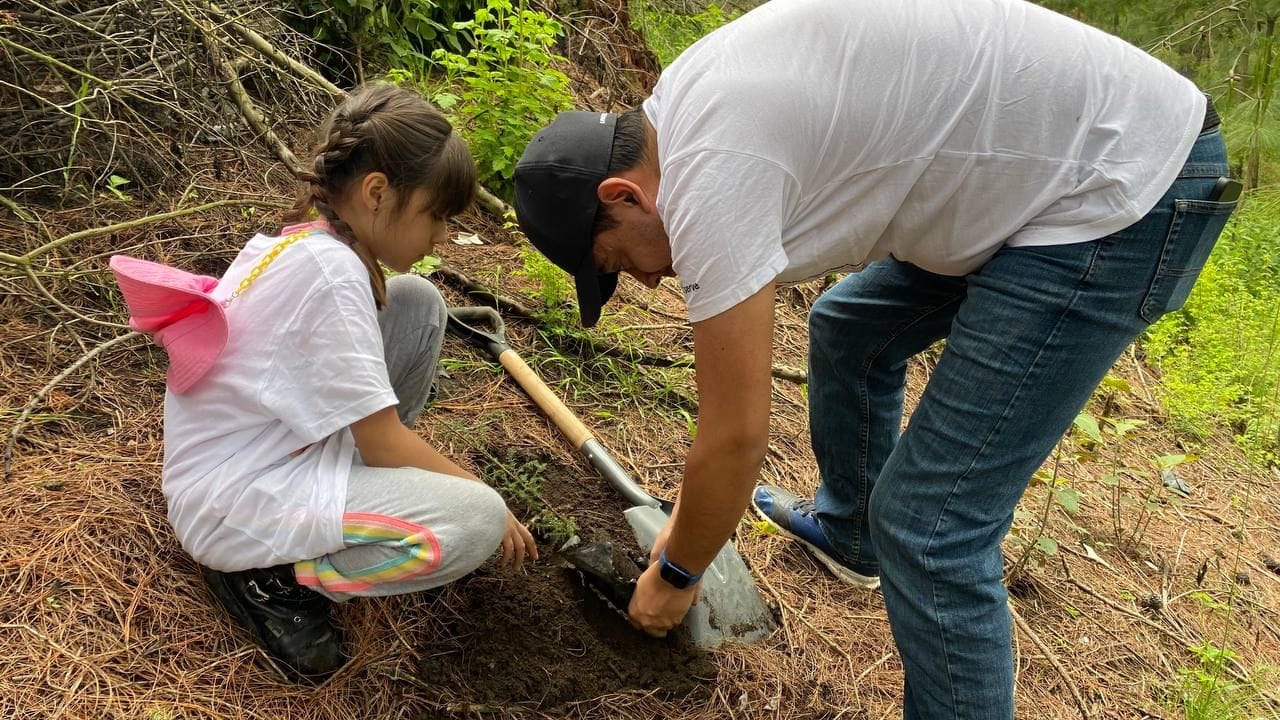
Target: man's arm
[{"x": 733, "y": 355}]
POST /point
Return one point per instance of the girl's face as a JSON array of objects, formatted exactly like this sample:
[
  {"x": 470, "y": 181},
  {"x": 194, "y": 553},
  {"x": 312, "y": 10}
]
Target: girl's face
[
  {"x": 402, "y": 233},
  {"x": 399, "y": 231}
]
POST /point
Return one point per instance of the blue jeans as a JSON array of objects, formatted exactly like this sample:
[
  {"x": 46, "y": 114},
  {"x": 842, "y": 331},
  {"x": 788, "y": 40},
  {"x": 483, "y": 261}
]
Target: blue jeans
[{"x": 1029, "y": 335}]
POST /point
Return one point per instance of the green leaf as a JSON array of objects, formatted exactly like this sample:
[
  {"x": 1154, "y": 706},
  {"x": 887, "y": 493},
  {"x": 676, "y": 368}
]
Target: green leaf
[
  {"x": 1088, "y": 425},
  {"x": 1164, "y": 462},
  {"x": 1068, "y": 498},
  {"x": 427, "y": 265},
  {"x": 1047, "y": 545},
  {"x": 1124, "y": 426},
  {"x": 1112, "y": 480},
  {"x": 764, "y": 527},
  {"x": 1111, "y": 382}
]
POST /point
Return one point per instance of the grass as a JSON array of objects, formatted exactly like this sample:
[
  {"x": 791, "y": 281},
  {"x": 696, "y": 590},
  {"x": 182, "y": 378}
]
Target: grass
[{"x": 1205, "y": 693}]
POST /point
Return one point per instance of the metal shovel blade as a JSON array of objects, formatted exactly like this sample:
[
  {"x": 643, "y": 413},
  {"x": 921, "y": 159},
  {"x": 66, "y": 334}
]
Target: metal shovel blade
[{"x": 730, "y": 607}]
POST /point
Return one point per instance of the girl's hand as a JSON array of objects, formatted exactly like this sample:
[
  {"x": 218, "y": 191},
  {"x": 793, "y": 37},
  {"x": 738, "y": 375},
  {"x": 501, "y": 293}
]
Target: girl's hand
[{"x": 517, "y": 544}]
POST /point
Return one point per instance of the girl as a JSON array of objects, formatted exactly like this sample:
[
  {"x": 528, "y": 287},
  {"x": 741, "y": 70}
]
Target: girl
[{"x": 291, "y": 471}]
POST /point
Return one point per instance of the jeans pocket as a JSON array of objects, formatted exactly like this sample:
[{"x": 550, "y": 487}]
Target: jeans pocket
[{"x": 1192, "y": 234}]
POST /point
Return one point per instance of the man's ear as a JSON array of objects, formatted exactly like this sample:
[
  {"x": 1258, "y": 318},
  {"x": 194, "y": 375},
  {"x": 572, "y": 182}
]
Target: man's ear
[
  {"x": 375, "y": 191},
  {"x": 622, "y": 193}
]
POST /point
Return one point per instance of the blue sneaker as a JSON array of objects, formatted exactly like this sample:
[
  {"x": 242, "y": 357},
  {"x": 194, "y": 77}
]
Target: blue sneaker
[{"x": 793, "y": 516}]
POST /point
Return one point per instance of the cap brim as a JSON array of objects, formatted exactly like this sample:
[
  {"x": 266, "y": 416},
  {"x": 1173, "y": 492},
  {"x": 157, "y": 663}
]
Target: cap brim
[{"x": 594, "y": 290}]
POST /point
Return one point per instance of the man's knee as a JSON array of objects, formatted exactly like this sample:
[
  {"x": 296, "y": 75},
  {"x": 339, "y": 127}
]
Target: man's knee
[
  {"x": 828, "y": 323},
  {"x": 888, "y": 527},
  {"x": 911, "y": 539}
]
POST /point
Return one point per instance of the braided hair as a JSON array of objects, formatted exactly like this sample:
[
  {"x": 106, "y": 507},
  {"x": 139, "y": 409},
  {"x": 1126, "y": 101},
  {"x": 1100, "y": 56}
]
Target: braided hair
[{"x": 384, "y": 128}]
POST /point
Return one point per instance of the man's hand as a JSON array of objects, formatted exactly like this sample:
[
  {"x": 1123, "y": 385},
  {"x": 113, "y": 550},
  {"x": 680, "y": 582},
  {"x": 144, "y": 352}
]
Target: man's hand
[
  {"x": 660, "y": 542},
  {"x": 656, "y": 607},
  {"x": 517, "y": 544}
]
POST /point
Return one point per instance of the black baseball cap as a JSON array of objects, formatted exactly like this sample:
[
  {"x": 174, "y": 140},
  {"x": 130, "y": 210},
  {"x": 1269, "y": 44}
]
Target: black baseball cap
[{"x": 556, "y": 204}]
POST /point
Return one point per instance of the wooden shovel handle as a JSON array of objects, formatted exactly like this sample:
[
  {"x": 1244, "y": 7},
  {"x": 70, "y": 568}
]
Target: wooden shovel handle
[{"x": 562, "y": 416}]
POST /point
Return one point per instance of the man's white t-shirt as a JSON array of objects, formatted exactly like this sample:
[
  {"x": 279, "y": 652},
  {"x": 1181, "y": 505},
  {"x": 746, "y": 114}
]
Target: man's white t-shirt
[
  {"x": 815, "y": 136},
  {"x": 303, "y": 362}
]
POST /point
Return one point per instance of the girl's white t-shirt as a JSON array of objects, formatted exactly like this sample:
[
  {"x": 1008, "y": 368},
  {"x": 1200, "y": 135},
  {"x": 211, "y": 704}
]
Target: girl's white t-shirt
[
  {"x": 304, "y": 361},
  {"x": 815, "y": 136}
]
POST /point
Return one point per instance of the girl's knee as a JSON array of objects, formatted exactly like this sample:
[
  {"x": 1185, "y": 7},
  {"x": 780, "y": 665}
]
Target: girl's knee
[
  {"x": 493, "y": 516},
  {"x": 486, "y": 523},
  {"x": 415, "y": 290}
]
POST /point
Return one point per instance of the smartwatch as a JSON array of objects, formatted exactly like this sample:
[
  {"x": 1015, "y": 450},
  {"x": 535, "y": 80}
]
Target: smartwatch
[{"x": 676, "y": 576}]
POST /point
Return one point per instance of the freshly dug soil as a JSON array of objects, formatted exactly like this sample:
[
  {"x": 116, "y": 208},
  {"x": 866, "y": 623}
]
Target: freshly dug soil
[{"x": 542, "y": 640}]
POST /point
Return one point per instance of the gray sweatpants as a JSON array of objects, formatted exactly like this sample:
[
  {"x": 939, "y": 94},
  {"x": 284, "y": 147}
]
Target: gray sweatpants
[{"x": 408, "y": 529}]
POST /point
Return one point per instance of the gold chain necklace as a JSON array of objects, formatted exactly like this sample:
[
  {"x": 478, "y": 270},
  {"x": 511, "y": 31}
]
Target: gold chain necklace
[{"x": 263, "y": 263}]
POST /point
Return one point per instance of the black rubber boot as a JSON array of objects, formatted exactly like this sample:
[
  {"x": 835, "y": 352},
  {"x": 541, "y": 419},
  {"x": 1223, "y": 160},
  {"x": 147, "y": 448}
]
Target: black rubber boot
[{"x": 289, "y": 621}]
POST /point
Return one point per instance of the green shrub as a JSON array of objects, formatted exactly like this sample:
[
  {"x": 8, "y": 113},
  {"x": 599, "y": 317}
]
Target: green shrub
[
  {"x": 506, "y": 87},
  {"x": 1220, "y": 355},
  {"x": 395, "y": 33},
  {"x": 668, "y": 32}
]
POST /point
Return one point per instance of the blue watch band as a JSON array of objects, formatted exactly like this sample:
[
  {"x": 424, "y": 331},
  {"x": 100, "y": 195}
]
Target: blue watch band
[{"x": 676, "y": 576}]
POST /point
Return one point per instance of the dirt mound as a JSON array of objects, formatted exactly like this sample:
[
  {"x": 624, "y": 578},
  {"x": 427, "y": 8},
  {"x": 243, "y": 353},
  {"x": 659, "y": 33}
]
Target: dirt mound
[{"x": 542, "y": 639}]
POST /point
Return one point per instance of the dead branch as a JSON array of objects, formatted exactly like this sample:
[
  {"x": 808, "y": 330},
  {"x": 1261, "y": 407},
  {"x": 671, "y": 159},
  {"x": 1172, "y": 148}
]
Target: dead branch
[
  {"x": 22, "y": 261},
  {"x": 484, "y": 198},
  {"x": 494, "y": 204},
  {"x": 252, "y": 115},
  {"x": 42, "y": 392},
  {"x": 272, "y": 53},
  {"x": 464, "y": 282},
  {"x": 35, "y": 280},
  {"x": 1053, "y": 660}
]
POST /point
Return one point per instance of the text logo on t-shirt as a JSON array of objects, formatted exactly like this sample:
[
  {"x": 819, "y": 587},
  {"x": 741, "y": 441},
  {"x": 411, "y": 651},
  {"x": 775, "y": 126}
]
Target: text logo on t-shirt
[{"x": 689, "y": 288}]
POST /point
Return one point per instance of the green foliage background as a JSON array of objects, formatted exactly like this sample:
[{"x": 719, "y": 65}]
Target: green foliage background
[
  {"x": 1218, "y": 355},
  {"x": 668, "y": 33},
  {"x": 506, "y": 87}
]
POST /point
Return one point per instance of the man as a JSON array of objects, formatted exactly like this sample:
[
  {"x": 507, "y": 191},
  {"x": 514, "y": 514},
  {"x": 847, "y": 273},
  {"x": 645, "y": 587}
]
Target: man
[{"x": 1031, "y": 189}]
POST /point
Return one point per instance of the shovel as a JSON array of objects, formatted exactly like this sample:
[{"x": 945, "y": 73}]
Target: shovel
[{"x": 730, "y": 607}]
